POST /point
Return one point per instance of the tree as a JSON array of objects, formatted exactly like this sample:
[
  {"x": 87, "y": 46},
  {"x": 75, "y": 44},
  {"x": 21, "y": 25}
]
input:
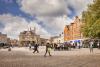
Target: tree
[{"x": 91, "y": 20}]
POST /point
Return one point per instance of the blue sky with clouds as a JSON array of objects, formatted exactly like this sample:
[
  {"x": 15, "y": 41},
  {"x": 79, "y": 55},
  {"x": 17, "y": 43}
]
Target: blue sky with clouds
[
  {"x": 12, "y": 7},
  {"x": 47, "y": 16}
]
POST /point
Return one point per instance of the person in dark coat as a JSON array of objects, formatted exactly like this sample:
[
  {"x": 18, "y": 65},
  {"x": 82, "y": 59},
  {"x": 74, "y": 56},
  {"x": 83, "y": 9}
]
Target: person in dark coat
[
  {"x": 36, "y": 48},
  {"x": 55, "y": 46},
  {"x": 48, "y": 49}
]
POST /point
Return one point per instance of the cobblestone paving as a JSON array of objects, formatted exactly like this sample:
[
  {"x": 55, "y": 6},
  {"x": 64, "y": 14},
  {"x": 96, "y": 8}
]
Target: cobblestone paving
[{"x": 26, "y": 58}]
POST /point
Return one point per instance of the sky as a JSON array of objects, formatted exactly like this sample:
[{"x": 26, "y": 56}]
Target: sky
[{"x": 49, "y": 17}]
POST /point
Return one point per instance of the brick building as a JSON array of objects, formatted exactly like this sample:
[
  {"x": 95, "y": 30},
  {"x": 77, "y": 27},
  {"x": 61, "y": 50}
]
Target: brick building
[{"x": 72, "y": 31}]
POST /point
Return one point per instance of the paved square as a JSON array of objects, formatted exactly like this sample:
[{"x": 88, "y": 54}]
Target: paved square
[{"x": 23, "y": 57}]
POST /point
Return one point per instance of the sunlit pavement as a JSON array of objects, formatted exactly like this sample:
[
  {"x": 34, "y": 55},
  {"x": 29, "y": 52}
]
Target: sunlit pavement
[{"x": 23, "y": 57}]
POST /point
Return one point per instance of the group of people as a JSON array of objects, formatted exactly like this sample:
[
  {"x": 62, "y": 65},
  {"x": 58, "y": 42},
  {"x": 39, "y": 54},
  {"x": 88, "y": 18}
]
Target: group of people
[
  {"x": 67, "y": 45},
  {"x": 47, "y": 50}
]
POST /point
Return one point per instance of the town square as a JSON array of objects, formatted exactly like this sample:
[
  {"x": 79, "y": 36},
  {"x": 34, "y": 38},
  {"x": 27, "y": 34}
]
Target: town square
[
  {"x": 23, "y": 57},
  {"x": 49, "y": 33}
]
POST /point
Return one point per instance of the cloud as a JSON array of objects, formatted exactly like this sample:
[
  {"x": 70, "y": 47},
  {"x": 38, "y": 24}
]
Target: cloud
[
  {"x": 52, "y": 12},
  {"x": 13, "y": 25},
  {"x": 55, "y": 25},
  {"x": 39, "y": 30},
  {"x": 53, "y": 7},
  {"x": 50, "y": 16},
  {"x": 44, "y": 7},
  {"x": 78, "y": 5}
]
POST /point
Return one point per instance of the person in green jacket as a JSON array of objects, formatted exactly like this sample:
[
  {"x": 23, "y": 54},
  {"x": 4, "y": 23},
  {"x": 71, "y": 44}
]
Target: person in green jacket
[{"x": 48, "y": 49}]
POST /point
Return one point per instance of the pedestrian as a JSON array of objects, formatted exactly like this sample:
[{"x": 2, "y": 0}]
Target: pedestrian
[
  {"x": 78, "y": 45},
  {"x": 69, "y": 46},
  {"x": 71, "y": 43},
  {"x": 29, "y": 46},
  {"x": 36, "y": 48},
  {"x": 48, "y": 49},
  {"x": 91, "y": 46},
  {"x": 81, "y": 44},
  {"x": 74, "y": 45},
  {"x": 98, "y": 44},
  {"x": 55, "y": 46}
]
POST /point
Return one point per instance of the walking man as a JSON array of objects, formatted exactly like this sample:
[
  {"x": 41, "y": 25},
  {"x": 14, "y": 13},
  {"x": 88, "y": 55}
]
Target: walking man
[
  {"x": 91, "y": 46},
  {"x": 36, "y": 48},
  {"x": 48, "y": 49}
]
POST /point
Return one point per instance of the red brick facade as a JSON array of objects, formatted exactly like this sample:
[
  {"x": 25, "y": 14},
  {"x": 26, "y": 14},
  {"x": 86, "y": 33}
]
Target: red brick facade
[{"x": 72, "y": 31}]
